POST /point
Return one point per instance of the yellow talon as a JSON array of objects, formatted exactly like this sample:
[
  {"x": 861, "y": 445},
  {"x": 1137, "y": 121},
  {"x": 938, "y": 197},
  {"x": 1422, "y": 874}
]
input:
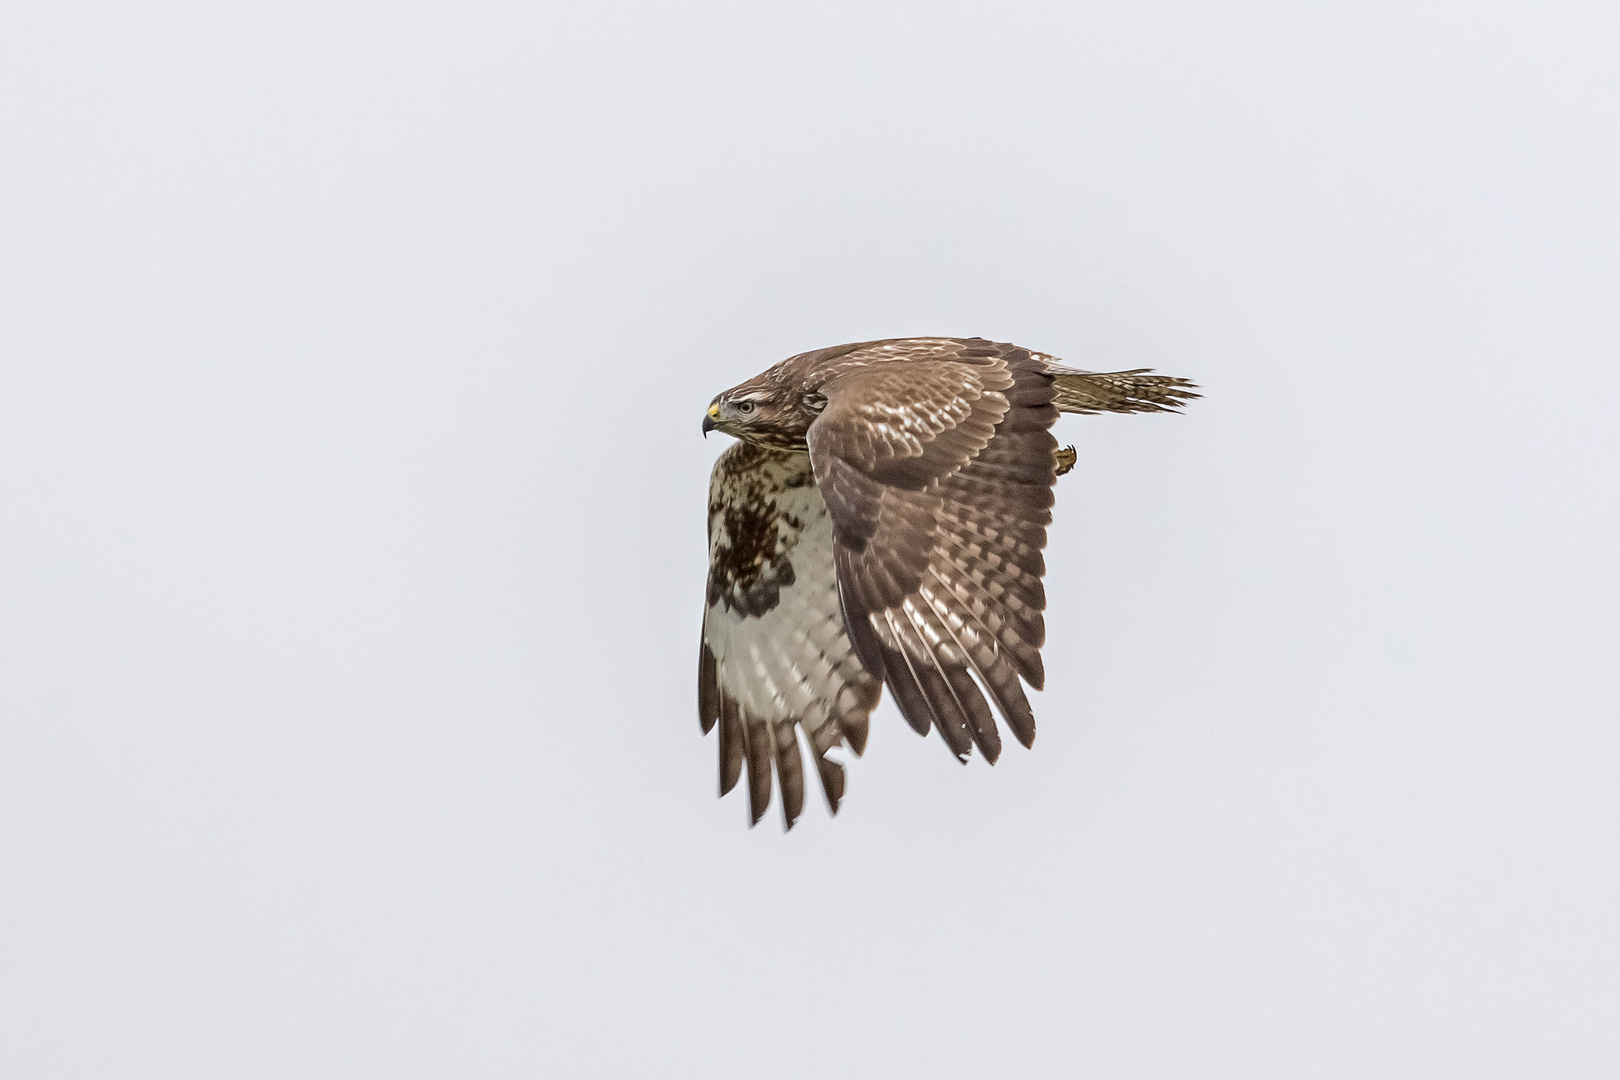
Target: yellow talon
[{"x": 1065, "y": 459}]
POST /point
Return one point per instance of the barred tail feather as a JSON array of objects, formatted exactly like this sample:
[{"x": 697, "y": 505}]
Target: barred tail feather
[{"x": 1134, "y": 391}]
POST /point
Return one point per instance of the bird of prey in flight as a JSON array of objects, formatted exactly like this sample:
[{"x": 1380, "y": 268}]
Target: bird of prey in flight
[{"x": 880, "y": 523}]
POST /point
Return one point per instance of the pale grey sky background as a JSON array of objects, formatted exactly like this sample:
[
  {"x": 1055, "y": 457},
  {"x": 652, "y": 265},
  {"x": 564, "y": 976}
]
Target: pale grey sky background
[{"x": 352, "y": 362}]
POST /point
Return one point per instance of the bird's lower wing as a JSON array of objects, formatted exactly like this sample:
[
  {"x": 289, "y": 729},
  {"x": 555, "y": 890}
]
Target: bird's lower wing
[{"x": 774, "y": 653}]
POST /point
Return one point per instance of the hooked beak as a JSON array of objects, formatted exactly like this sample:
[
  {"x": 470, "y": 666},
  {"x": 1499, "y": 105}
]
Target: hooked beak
[{"x": 708, "y": 420}]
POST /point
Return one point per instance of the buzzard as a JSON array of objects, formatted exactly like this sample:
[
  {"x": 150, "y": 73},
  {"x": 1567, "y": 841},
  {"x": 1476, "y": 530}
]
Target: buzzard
[{"x": 880, "y": 523}]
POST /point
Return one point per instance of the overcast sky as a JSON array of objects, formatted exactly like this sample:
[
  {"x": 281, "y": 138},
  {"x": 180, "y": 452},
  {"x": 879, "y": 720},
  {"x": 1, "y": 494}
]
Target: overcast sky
[{"x": 352, "y": 361}]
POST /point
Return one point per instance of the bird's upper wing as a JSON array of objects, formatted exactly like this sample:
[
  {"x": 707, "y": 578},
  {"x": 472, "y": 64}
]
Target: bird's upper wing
[
  {"x": 937, "y": 472},
  {"x": 774, "y": 650}
]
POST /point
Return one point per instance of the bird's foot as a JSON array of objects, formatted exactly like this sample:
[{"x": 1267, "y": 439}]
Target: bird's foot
[{"x": 1065, "y": 459}]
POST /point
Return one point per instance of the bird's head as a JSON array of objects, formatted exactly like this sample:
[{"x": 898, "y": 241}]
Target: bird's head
[{"x": 760, "y": 411}]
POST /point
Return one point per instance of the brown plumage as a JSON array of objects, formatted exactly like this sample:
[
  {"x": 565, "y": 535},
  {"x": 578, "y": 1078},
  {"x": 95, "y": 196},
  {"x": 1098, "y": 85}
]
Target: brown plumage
[{"x": 881, "y": 523}]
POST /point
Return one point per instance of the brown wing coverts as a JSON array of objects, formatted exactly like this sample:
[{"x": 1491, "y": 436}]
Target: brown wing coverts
[
  {"x": 905, "y": 424},
  {"x": 940, "y": 509}
]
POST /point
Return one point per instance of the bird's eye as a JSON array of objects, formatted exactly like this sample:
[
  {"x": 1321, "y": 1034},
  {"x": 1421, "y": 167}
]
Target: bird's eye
[{"x": 745, "y": 407}]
